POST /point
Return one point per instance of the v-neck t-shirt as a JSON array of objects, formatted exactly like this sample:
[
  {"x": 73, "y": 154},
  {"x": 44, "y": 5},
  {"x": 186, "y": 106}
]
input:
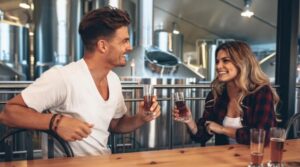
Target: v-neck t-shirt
[{"x": 71, "y": 91}]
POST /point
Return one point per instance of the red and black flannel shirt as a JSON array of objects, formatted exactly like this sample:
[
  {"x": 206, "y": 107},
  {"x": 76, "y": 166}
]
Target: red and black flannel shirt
[{"x": 258, "y": 112}]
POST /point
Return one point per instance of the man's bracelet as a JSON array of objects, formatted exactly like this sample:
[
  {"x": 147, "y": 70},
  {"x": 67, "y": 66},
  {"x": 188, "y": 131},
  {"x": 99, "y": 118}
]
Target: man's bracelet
[
  {"x": 57, "y": 122},
  {"x": 52, "y": 121}
]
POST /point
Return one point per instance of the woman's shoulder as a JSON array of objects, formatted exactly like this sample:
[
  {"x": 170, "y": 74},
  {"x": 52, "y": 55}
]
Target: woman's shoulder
[
  {"x": 262, "y": 89},
  {"x": 209, "y": 99},
  {"x": 209, "y": 96}
]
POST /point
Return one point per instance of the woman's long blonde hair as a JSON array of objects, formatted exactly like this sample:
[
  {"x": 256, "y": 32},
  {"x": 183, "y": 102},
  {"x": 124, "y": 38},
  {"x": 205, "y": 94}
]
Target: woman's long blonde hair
[{"x": 250, "y": 76}]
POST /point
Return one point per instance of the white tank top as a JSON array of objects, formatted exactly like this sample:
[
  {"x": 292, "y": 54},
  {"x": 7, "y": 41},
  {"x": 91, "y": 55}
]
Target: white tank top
[{"x": 232, "y": 123}]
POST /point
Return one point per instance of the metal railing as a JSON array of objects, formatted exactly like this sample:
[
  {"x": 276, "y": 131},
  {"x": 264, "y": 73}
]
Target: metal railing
[
  {"x": 163, "y": 137},
  {"x": 162, "y": 133}
]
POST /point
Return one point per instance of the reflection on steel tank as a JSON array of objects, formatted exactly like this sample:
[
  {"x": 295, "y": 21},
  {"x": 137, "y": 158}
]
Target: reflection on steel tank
[
  {"x": 57, "y": 41},
  {"x": 14, "y": 51}
]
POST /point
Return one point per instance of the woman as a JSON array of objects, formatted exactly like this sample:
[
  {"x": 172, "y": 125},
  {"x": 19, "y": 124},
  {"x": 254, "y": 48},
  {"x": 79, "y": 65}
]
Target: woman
[{"x": 241, "y": 98}]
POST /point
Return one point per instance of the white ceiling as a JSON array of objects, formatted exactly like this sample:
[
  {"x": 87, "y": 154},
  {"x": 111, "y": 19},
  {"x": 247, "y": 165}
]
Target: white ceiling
[
  {"x": 203, "y": 19},
  {"x": 211, "y": 19}
]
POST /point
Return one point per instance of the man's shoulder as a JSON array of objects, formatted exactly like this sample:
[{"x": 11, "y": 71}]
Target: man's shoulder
[
  {"x": 52, "y": 72},
  {"x": 72, "y": 66},
  {"x": 71, "y": 70}
]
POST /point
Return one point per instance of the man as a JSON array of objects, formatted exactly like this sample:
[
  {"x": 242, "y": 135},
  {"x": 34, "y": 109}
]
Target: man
[{"x": 85, "y": 97}]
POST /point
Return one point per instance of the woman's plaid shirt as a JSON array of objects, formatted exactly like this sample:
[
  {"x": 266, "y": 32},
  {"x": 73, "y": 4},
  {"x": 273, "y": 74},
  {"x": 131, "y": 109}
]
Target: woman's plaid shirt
[{"x": 258, "y": 112}]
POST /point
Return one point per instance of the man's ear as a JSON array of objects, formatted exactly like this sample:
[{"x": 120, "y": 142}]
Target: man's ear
[{"x": 102, "y": 45}]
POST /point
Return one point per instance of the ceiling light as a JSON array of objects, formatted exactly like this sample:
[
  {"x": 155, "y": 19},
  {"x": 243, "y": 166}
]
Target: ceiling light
[
  {"x": 247, "y": 12},
  {"x": 24, "y": 5},
  {"x": 176, "y": 32},
  {"x": 175, "y": 28},
  {"x": 1, "y": 15},
  {"x": 115, "y": 3}
]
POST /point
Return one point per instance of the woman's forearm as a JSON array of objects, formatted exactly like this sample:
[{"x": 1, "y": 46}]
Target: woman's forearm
[
  {"x": 192, "y": 126},
  {"x": 230, "y": 132}
]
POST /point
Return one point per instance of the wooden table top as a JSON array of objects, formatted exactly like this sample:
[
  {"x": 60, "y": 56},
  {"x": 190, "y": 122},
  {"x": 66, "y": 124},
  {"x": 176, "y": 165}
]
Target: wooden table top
[{"x": 216, "y": 156}]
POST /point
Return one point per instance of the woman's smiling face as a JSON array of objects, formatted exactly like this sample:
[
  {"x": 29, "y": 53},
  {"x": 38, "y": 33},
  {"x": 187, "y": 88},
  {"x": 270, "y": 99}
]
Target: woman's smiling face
[{"x": 226, "y": 70}]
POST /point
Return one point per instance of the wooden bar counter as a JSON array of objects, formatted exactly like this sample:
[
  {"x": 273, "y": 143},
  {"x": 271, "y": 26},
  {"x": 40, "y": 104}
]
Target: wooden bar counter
[{"x": 215, "y": 156}]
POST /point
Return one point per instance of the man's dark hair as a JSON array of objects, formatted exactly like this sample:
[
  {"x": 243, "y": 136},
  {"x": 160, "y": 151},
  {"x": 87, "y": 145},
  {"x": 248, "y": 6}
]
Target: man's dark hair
[{"x": 101, "y": 22}]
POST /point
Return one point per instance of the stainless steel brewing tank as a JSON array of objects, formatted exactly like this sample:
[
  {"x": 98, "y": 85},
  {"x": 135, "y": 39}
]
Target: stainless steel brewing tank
[
  {"x": 14, "y": 51},
  {"x": 206, "y": 57},
  {"x": 177, "y": 45},
  {"x": 163, "y": 40},
  {"x": 169, "y": 42},
  {"x": 57, "y": 41}
]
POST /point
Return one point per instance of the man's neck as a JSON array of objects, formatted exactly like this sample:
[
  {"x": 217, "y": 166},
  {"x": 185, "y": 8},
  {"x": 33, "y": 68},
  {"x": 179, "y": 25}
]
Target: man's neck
[{"x": 97, "y": 67}]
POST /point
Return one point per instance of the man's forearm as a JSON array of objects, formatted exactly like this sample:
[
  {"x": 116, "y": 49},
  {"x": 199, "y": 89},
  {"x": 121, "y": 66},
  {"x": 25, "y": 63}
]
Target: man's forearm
[
  {"x": 127, "y": 124},
  {"x": 22, "y": 117}
]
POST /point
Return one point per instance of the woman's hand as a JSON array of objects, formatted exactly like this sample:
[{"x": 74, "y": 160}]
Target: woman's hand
[{"x": 186, "y": 118}]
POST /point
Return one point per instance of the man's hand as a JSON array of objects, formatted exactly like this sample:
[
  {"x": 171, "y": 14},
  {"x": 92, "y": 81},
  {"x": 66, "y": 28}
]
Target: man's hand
[
  {"x": 128, "y": 123},
  {"x": 71, "y": 129},
  {"x": 155, "y": 111}
]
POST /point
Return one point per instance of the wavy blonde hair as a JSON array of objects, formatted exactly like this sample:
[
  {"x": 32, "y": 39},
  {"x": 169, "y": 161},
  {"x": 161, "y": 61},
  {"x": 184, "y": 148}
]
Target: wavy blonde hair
[{"x": 250, "y": 76}]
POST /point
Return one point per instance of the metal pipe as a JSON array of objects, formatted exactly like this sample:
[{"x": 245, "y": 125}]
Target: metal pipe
[{"x": 145, "y": 22}]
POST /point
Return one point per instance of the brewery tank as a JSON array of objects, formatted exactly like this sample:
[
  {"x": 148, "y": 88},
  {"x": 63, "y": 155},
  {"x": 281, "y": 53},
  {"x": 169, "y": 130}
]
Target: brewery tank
[
  {"x": 56, "y": 38},
  {"x": 169, "y": 42},
  {"x": 14, "y": 51}
]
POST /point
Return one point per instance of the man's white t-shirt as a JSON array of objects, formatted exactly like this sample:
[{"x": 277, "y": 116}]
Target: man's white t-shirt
[{"x": 71, "y": 91}]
